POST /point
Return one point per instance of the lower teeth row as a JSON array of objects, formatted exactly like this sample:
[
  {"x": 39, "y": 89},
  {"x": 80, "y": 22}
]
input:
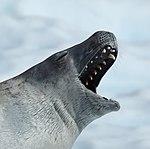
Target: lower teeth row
[{"x": 95, "y": 73}]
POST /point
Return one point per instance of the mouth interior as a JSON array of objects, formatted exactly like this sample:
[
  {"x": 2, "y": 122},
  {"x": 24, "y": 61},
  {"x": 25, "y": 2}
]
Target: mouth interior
[{"x": 97, "y": 66}]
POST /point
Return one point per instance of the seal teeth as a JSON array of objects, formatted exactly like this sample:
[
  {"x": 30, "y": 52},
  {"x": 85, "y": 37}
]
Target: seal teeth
[
  {"x": 111, "y": 56},
  {"x": 91, "y": 77},
  {"x": 108, "y": 47},
  {"x": 87, "y": 83},
  {"x": 104, "y": 62},
  {"x": 95, "y": 72},
  {"x": 104, "y": 51},
  {"x": 99, "y": 67},
  {"x": 112, "y": 50}
]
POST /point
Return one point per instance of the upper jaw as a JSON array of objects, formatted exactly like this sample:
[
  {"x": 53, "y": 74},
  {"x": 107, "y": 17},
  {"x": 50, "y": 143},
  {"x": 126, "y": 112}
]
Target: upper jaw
[{"x": 99, "y": 61}]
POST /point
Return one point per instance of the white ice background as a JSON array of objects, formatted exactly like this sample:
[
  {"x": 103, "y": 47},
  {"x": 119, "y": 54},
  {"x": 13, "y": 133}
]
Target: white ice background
[{"x": 32, "y": 30}]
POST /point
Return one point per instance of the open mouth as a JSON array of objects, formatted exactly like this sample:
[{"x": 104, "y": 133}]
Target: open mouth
[{"x": 97, "y": 66}]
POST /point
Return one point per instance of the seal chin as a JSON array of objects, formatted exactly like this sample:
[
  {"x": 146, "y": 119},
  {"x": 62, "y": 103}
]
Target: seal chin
[{"x": 113, "y": 105}]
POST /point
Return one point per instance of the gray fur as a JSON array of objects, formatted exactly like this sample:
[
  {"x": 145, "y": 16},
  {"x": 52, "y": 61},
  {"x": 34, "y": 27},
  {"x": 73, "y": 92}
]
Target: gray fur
[{"x": 47, "y": 106}]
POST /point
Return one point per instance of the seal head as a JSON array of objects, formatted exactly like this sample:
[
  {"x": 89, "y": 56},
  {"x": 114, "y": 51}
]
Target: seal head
[
  {"x": 92, "y": 59},
  {"x": 55, "y": 100}
]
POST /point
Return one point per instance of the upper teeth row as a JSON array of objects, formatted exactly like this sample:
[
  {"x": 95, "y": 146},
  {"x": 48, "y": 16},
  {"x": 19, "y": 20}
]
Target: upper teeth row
[
  {"x": 111, "y": 56},
  {"x": 99, "y": 67}
]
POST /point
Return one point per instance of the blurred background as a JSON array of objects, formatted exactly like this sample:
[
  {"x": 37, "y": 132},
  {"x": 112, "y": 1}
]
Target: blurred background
[{"x": 32, "y": 30}]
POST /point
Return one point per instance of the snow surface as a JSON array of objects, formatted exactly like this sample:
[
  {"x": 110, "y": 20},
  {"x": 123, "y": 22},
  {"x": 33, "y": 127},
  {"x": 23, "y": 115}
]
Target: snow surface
[{"x": 32, "y": 30}]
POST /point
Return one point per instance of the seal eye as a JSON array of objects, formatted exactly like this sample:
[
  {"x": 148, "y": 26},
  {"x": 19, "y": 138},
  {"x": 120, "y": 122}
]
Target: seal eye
[
  {"x": 61, "y": 55},
  {"x": 98, "y": 64}
]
